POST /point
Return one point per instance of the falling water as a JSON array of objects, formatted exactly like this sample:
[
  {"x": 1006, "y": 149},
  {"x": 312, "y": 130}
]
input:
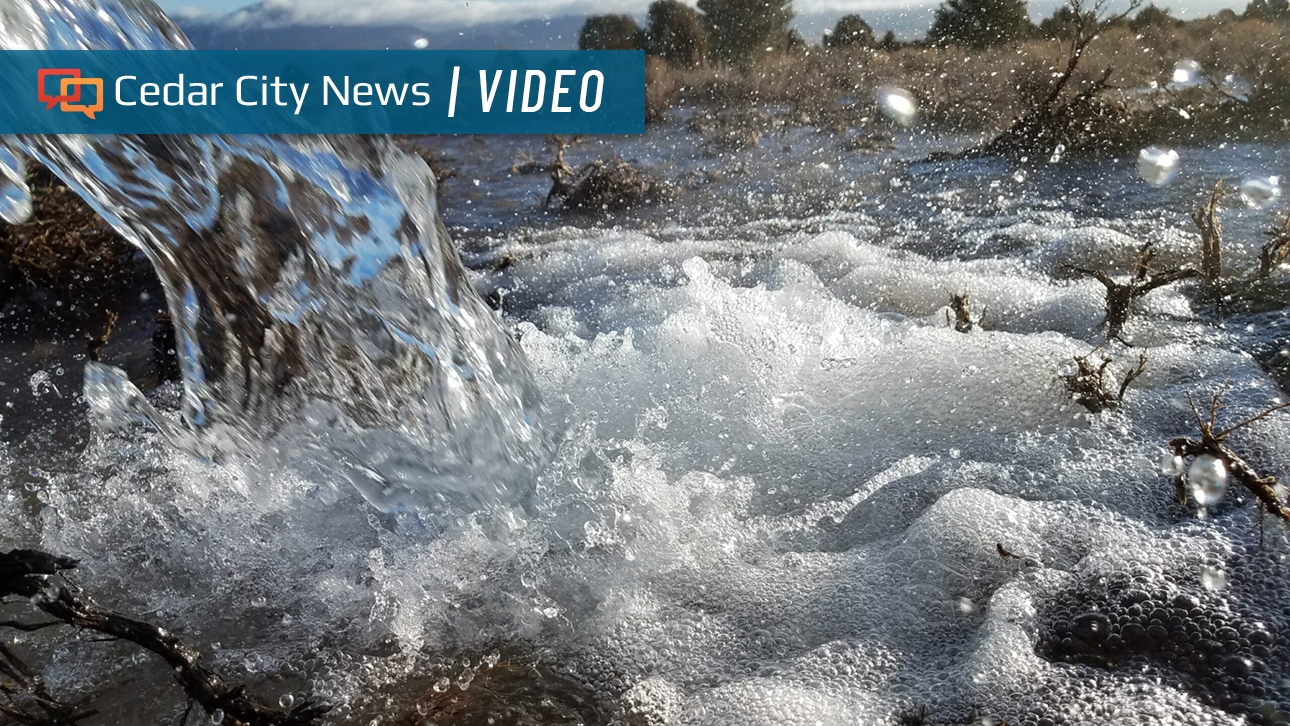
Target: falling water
[{"x": 318, "y": 301}]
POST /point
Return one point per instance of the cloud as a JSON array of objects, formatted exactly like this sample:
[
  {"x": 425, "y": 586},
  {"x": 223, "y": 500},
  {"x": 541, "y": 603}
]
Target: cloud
[
  {"x": 456, "y": 13},
  {"x": 423, "y": 12}
]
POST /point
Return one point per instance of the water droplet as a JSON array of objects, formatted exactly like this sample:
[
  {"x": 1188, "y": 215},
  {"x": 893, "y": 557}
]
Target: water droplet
[
  {"x": 1157, "y": 166},
  {"x": 966, "y": 606},
  {"x": 897, "y": 104},
  {"x": 1058, "y": 151},
  {"x": 287, "y": 700},
  {"x": 1212, "y": 578},
  {"x": 421, "y": 43},
  {"x": 1186, "y": 73},
  {"x": 1171, "y": 464},
  {"x": 1261, "y": 192},
  {"x": 259, "y": 601},
  {"x": 441, "y": 685},
  {"x": 1207, "y": 478},
  {"x": 217, "y": 716}
]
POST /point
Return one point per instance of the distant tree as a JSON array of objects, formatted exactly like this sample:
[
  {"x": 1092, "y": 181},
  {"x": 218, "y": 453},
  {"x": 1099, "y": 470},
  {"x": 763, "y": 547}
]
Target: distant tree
[
  {"x": 739, "y": 30},
  {"x": 795, "y": 42},
  {"x": 675, "y": 34},
  {"x": 611, "y": 32},
  {"x": 1062, "y": 24},
  {"x": 1153, "y": 17},
  {"x": 1270, "y": 10},
  {"x": 850, "y": 32},
  {"x": 889, "y": 41},
  {"x": 980, "y": 23}
]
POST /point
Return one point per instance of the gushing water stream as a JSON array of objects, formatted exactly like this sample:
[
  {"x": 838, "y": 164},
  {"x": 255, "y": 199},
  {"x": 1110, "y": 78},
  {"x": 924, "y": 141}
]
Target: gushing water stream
[{"x": 317, "y": 298}]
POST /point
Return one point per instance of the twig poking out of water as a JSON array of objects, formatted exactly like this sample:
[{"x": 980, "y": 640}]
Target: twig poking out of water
[
  {"x": 1211, "y": 235},
  {"x": 28, "y": 574},
  {"x": 600, "y": 186},
  {"x": 1120, "y": 297},
  {"x": 1092, "y": 386},
  {"x": 1276, "y": 249},
  {"x": 96, "y": 344},
  {"x": 527, "y": 165},
  {"x": 1213, "y": 443},
  {"x": 961, "y": 305}
]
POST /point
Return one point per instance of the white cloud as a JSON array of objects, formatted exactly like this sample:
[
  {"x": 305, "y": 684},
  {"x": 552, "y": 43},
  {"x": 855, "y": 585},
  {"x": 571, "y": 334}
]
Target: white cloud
[
  {"x": 431, "y": 13},
  {"x": 423, "y": 12}
]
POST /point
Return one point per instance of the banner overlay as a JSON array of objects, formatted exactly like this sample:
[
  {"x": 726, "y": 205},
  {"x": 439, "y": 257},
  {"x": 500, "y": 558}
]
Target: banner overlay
[{"x": 322, "y": 92}]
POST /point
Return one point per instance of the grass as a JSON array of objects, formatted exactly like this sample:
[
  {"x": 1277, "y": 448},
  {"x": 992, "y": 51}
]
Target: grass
[{"x": 983, "y": 92}]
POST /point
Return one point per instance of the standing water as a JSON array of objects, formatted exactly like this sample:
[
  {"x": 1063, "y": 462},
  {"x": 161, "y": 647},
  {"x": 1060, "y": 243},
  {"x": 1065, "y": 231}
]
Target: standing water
[{"x": 770, "y": 483}]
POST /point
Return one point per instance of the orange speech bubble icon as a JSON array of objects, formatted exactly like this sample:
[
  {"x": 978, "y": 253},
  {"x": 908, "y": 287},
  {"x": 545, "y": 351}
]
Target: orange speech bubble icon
[{"x": 88, "y": 110}]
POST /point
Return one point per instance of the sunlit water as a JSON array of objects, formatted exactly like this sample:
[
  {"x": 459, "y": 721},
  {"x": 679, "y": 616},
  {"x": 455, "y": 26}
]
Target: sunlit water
[{"x": 780, "y": 484}]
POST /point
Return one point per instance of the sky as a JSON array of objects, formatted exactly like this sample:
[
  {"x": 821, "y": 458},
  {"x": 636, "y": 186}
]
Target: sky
[{"x": 467, "y": 12}]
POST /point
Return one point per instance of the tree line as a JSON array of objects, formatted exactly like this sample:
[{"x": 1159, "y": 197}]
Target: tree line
[{"x": 738, "y": 31}]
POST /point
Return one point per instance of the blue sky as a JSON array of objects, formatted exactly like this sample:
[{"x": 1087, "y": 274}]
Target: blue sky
[{"x": 474, "y": 11}]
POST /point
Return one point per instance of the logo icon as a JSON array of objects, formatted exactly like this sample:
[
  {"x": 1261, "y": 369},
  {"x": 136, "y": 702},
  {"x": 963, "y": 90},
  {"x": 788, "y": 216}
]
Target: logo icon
[{"x": 69, "y": 102}]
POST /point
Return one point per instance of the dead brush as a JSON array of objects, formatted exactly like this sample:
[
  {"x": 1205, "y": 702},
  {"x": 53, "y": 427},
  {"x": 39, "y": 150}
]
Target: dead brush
[
  {"x": 601, "y": 186},
  {"x": 64, "y": 244},
  {"x": 42, "y": 580},
  {"x": 1276, "y": 249},
  {"x": 1092, "y": 386},
  {"x": 1211, "y": 235},
  {"x": 1213, "y": 442},
  {"x": 961, "y": 306},
  {"x": 1120, "y": 297}
]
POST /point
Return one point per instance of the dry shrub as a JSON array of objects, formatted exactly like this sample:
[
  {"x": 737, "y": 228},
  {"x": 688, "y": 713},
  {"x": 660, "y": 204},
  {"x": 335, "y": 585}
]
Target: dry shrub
[
  {"x": 603, "y": 186},
  {"x": 985, "y": 91},
  {"x": 660, "y": 88},
  {"x": 64, "y": 245}
]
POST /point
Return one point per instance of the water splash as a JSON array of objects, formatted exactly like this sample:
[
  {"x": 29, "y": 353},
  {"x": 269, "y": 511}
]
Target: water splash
[{"x": 318, "y": 302}]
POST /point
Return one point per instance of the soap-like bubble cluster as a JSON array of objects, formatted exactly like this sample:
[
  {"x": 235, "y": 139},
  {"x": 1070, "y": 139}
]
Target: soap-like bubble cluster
[{"x": 781, "y": 502}]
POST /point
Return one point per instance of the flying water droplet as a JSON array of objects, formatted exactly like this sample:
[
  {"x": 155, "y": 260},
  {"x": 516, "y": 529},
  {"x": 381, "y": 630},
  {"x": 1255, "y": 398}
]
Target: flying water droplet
[
  {"x": 1157, "y": 166},
  {"x": 286, "y": 700},
  {"x": 1261, "y": 192},
  {"x": 1171, "y": 464},
  {"x": 1208, "y": 479},
  {"x": 1213, "y": 579},
  {"x": 1058, "y": 151},
  {"x": 897, "y": 104},
  {"x": 421, "y": 43},
  {"x": 217, "y": 716},
  {"x": 1186, "y": 73}
]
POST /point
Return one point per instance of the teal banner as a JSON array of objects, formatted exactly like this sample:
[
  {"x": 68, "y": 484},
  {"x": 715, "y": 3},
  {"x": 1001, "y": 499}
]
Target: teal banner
[{"x": 322, "y": 92}]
